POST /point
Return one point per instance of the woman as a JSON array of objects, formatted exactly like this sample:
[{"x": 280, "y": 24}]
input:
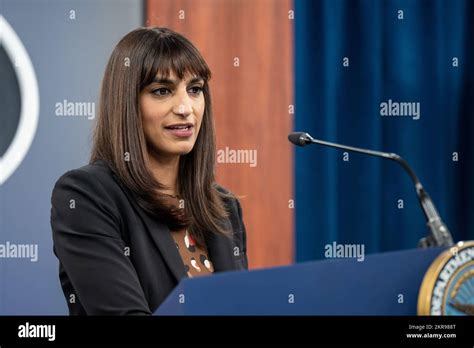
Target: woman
[{"x": 146, "y": 211}]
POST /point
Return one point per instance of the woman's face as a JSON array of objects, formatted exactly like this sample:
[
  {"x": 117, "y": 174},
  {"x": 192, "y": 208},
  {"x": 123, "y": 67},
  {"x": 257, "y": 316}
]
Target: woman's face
[{"x": 172, "y": 111}]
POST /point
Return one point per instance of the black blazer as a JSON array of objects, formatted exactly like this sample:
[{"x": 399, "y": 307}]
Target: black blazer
[{"x": 116, "y": 259}]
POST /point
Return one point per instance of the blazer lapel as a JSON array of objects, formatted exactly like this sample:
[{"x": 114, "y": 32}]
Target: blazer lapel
[
  {"x": 219, "y": 247},
  {"x": 221, "y": 253},
  {"x": 161, "y": 235}
]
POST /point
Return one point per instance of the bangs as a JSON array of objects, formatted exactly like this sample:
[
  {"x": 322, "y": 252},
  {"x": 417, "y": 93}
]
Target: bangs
[{"x": 167, "y": 55}]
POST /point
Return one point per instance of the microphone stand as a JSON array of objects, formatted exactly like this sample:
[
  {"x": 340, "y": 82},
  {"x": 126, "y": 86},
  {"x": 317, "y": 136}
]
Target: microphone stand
[{"x": 439, "y": 235}]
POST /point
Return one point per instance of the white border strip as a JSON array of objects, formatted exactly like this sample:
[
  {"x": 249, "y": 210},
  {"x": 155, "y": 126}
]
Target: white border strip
[{"x": 29, "y": 92}]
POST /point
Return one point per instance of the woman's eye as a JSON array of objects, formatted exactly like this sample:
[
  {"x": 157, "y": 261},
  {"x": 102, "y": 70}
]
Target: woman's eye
[
  {"x": 161, "y": 91},
  {"x": 195, "y": 89}
]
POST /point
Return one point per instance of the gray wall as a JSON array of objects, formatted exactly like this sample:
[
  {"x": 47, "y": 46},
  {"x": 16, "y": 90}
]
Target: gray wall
[{"x": 69, "y": 56}]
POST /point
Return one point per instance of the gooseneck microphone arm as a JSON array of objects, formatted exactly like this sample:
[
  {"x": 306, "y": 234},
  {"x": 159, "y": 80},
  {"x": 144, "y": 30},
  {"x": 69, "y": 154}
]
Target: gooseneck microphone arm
[{"x": 439, "y": 233}]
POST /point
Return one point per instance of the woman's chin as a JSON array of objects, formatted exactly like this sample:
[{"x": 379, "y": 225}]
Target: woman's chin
[{"x": 182, "y": 150}]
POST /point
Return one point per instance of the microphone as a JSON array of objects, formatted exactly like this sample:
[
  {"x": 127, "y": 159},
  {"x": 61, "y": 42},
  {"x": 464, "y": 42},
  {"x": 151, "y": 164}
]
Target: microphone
[{"x": 439, "y": 234}]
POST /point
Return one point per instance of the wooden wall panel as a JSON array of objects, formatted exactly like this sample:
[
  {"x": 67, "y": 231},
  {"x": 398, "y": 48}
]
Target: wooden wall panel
[{"x": 251, "y": 103}]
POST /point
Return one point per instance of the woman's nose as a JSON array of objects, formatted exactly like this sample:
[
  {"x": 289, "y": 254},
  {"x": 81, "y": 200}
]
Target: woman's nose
[{"x": 183, "y": 105}]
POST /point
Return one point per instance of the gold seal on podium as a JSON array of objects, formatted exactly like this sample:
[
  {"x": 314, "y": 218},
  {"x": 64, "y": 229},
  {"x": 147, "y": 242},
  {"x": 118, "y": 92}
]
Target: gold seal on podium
[{"x": 448, "y": 285}]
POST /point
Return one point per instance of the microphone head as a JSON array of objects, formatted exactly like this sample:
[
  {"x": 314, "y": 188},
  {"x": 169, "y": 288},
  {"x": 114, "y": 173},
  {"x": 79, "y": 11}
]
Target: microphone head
[{"x": 299, "y": 138}]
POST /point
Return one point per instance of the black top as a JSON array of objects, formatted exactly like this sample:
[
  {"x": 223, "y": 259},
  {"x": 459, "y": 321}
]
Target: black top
[{"x": 116, "y": 259}]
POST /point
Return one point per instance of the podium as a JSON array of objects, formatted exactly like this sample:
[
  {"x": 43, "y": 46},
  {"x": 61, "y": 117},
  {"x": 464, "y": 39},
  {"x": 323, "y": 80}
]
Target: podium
[{"x": 383, "y": 284}]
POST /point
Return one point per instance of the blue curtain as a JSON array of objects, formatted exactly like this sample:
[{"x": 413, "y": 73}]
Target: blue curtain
[{"x": 403, "y": 51}]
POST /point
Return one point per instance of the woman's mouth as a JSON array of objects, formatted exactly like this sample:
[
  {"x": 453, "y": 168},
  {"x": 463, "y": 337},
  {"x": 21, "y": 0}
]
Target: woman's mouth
[{"x": 181, "y": 130}]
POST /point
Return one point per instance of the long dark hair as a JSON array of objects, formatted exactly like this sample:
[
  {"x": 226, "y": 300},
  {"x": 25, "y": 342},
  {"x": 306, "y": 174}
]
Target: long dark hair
[{"x": 119, "y": 139}]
